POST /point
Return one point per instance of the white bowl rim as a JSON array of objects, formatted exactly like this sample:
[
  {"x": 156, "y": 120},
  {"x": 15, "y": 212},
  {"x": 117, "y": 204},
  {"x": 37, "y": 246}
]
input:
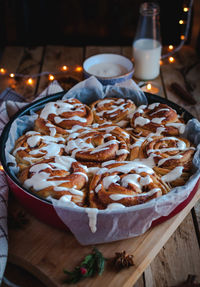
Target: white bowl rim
[{"x": 117, "y": 56}]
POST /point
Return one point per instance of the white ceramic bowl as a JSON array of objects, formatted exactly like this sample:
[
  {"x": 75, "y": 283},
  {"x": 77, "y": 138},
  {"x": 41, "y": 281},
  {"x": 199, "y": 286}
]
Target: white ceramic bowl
[{"x": 112, "y": 62}]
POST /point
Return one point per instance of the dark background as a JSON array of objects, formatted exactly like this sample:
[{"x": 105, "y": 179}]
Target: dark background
[{"x": 82, "y": 22}]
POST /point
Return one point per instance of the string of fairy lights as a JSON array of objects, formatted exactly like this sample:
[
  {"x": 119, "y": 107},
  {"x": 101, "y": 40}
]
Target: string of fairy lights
[{"x": 187, "y": 8}]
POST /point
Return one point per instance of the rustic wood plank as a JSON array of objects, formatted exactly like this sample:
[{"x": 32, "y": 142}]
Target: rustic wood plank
[
  {"x": 185, "y": 71},
  {"x": 30, "y": 64},
  {"x": 20, "y": 277},
  {"x": 55, "y": 58},
  {"x": 22, "y": 61},
  {"x": 93, "y": 50},
  {"x": 178, "y": 258},
  {"x": 10, "y": 61},
  {"x": 47, "y": 255},
  {"x": 140, "y": 282},
  {"x": 167, "y": 270},
  {"x": 195, "y": 24}
]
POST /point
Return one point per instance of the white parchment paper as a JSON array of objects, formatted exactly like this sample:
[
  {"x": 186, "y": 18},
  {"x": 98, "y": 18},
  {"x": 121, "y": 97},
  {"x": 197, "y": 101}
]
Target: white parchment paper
[{"x": 112, "y": 225}]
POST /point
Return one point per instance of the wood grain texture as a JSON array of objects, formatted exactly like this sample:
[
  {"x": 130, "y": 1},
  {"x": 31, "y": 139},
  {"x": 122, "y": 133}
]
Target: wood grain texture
[
  {"x": 177, "y": 259},
  {"x": 184, "y": 71},
  {"x": 167, "y": 270},
  {"x": 10, "y": 61},
  {"x": 29, "y": 64},
  {"x": 21, "y": 277},
  {"x": 55, "y": 58},
  {"x": 23, "y": 61},
  {"x": 45, "y": 252},
  {"x": 93, "y": 50}
]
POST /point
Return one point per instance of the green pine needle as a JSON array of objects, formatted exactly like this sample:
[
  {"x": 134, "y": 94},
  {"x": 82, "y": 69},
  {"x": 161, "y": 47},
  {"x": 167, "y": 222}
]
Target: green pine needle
[{"x": 91, "y": 265}]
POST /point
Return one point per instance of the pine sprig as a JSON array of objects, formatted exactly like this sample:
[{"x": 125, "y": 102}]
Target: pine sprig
[{"x": 91, "y": 265}]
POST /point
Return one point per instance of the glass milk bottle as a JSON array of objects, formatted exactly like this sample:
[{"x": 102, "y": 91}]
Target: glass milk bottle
[{"x": 147, "y": 44}]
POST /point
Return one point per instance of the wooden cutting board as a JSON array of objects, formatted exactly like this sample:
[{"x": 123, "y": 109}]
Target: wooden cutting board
[{"x": 45, "y": 251}]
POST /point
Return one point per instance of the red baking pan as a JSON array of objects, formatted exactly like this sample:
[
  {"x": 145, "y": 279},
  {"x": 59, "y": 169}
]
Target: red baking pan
[{"x": 42, "y": 208}]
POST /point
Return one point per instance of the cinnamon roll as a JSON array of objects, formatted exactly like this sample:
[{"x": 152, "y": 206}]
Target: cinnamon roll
[
  {"x": 167, "y": 154},
  {"x": 114, "y": 110},
  {"x": 98, "y": 143},
  {"x": 156, "y": 118},
  {"x": 33, "y": 147},
  {"x": 56, "y": 177},
  {"x": 127, "y": 183},
  {"x": 58, "y": 117}
]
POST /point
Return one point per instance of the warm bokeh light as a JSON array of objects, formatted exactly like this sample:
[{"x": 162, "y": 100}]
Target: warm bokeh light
[
  {"x": 181, "y": 22},
  {"x": 1, "y": 167},
  {"x": 161, "y": 62},
  {"x": 64, "y": 68},
  {"x": 185, "y": 9},
  {"x": 182, "y": 37},
  {"x": 12, "y": 75},
  {"x": 30, "y": 81},
  {"x": 2, "y": 71},
  {"x": 170, "y": 47},
  {"x": 51, "y": 77},
  {"x": 79, "y": 69},
  {"x": 148, "y": 87},
  {"x": 171, "y": 59}
]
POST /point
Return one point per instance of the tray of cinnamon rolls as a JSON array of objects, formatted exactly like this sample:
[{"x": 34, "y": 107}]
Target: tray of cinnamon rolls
[{"x": 109, "y": 157}]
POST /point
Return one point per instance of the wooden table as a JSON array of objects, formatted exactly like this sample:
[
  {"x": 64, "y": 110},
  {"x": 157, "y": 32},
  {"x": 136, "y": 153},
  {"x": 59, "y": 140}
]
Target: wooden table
[{"x": 180, "y": 256}]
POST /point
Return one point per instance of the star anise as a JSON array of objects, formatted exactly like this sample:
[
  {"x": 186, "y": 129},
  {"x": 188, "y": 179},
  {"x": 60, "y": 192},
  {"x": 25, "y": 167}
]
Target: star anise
[{"x": 122, "y": 260}]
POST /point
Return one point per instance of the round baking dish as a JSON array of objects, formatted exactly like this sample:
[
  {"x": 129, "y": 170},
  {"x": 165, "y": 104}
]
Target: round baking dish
[{"x": 42, "y": 208}]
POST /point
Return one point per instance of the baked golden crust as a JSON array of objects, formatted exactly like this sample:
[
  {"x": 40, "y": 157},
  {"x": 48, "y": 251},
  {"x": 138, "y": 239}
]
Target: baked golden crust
[
  {"x": 114, "y": 110},
  {"x": 96, "y": 144},
  {"x": 33, "y": 147},
  {"x": 56, "y": 177},
  {"x": 156, "y": 118},
  {"x": 78, "y": 158},
  {"x": 60, "y": 116},
  {"x": 166, "y": 153},
  {"x": 128, "y": 183}
]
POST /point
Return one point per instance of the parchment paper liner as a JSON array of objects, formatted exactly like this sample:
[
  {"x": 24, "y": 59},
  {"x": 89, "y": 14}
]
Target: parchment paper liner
[{"x": 120, "y": 224}]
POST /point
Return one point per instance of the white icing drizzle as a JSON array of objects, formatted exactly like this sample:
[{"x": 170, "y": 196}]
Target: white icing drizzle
[
  {"x": 153, "y": 106},
  {"x": 60, "y": 107},
  {"x": 83, "y": 174},
  {"x": 121, "y": 151},
  {"x": 98, "y": 188},
  {"x": 114, "y": 205},
  {"x": 158, "y": 111},
  {"x": 132, "y": 165},
  {"x": 130, "y": 179},
  {"x": 77, "y": 118},
  {"x": 71, "y": 190},
  {"x": 92, "y": 216},
  {"x": 110, "y": 179},
  {"x": 41, "y": 179},
  {"x": 163, "y": 160},
  {"x": 179, "y": 126},
  {"x": 140, "y": 121},
  {"x": 145, "y": 180},
  {"x": 119, "y": 196},
  {"x": 173, "y": 174},
  {"x": 158, "y": 120},
  {"x": 138, "y": 142}
]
